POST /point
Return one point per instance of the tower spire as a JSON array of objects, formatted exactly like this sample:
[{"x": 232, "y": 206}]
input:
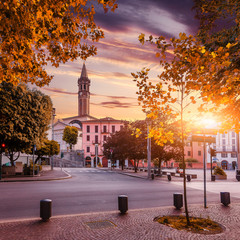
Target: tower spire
[
  {"x": 83, "y": 93},
  {"x": 84, "y": 71}
]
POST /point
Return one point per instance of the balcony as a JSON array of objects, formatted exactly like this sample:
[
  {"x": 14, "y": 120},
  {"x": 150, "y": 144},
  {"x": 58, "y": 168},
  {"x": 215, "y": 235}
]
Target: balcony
[
  {"x": 96, "y": 142},
  {"x": 105, "y": 132}
]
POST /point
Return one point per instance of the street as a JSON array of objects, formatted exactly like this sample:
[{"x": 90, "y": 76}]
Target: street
[{"x": 90, "y": 190}]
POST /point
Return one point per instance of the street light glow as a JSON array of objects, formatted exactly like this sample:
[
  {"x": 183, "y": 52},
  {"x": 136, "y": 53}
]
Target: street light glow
[{"x": 208, "y": 123}]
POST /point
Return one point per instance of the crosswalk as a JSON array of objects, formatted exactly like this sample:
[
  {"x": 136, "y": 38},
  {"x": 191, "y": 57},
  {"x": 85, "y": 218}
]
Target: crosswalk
[{"x": 84, "y": 170}]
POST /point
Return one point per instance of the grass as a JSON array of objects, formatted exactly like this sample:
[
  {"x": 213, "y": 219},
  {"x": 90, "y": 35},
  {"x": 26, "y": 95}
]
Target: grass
[{"x": 198, "y": 225}]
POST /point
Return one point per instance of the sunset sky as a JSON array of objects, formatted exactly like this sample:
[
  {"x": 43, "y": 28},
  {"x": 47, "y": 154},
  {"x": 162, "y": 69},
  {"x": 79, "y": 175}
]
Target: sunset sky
[{"x": 113, "y": 92}]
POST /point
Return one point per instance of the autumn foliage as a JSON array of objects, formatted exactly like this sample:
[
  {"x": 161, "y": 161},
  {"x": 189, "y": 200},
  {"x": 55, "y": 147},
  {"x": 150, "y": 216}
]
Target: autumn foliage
[{"x": 34, "y": 33}]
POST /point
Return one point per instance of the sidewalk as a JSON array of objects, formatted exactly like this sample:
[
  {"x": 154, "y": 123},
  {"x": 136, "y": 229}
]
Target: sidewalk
[
  {"x": 135, "y": 225},
  {"x": 231, "y": 175},
  {"x": 55, "y": 174}
]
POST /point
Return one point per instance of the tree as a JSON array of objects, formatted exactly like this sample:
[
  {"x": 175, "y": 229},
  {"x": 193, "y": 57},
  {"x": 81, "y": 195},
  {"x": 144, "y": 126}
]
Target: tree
[
  {"x": 219, "y": 32},
  {"x": 70, "y": 135},
  {"x": 138, "y": 147},
  {"x": 173, "y": 94},
  {"x": 118, "y": 144},
  {"x": 24, "y": 118},
  {"x": 48, "y": 148},
  {"x": 36, "y": 33}
]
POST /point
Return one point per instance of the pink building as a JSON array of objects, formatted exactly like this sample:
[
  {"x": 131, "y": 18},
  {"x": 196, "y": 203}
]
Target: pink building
[{"x": 94, "y": 134}]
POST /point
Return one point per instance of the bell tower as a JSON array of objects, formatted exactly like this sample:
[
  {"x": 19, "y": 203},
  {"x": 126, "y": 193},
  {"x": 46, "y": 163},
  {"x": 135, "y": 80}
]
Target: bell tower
[{"x": 83, "y": 93}]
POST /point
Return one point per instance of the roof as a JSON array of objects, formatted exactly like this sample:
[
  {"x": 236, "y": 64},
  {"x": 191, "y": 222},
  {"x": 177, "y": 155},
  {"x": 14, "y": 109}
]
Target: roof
[
  {"x": 106, "y": 119},
  {"x": 84, "y": 72}
]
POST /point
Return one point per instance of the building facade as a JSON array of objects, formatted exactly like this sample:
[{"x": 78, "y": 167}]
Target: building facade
[
  {"x": 227, "y": 145},
  {"x": 94, "y": 134}
]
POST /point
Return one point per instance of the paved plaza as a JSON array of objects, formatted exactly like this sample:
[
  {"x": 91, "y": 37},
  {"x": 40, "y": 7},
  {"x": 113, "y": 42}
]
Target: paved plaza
[{"x": 137, "y": 224}]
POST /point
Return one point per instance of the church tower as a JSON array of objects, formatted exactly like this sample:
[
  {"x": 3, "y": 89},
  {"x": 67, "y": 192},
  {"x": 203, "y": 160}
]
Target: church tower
[{"x": 83, "y": 93}]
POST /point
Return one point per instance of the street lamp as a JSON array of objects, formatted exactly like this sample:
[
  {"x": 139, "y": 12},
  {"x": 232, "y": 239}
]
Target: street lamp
[
  {"x": 148, "y": 149},
  {"x": 111, "y": 152},
  {"x": 53, "y": 116},
  {"x": 208, "y": 123}
]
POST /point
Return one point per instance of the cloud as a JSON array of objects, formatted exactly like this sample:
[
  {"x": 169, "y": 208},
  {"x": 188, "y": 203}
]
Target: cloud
[
  {"x": 59, "y": 90},
  {"x": 115, "y": 104},
  {"x": 63, "y": 91},
  {"x": 141, "y": 13}
]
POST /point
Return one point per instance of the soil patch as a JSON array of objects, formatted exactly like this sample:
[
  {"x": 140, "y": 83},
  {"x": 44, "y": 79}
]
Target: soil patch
[{"x": 198, "y": 225}]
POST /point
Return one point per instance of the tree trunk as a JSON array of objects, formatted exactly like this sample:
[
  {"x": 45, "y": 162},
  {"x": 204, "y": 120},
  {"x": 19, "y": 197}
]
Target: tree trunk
[
  {"x": 135, "y": 166},
  {"x": 183, "y": 159},
  {"x": 37, "y": 159},
  {"x": 159, "y": 166},
  {"x": 11, "y": 159}
]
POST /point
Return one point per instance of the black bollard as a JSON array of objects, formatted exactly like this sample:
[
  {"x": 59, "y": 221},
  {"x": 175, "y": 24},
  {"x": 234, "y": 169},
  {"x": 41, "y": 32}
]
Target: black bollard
[
  {"x": 189, "y": 178},
  {"x": 45, "y": 209},
  {"x": 213, "y": 178},
  {"x": 169, "y": 177},
  {"x": 152, "y": 176},
  {"x": 178, "y": 200},
  {"x": 225, "y": 198},
  {"x": 123, "y": 203}
]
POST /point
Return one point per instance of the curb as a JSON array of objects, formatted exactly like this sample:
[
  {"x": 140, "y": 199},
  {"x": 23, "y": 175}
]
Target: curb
[{"x": 39, "y": 179}]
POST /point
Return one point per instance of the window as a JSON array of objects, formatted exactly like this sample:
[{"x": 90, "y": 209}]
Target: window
[
  {"x": 233, "y": 155},
  {"x": 88, "y": 149},
  {"x": 223, "y": 155},
  {"x": 223, "y": 142},
  {"x": 88, "y": 129},
  {"x": 96, "y": 129},
  {"x": 224, "y": 148},
  {"x": 121, "y": 127},
  {"x": 233, "y": 134},
  {"x": 199, "y": 153},
  {"x": 233, "y": 148},
  {"x": 188, "y": 144},
  {"x": 88, "y": 138},
  {"x": 233, "y": 141},
  {"x": 189, "y": 153},
  {"x": 105, "y": 138},
  {"x": 223, "y": 135},
  {"x": 96, "y": 139},
  {"x": 113, "y": 129},
  {"x": 104, "y": 129}
]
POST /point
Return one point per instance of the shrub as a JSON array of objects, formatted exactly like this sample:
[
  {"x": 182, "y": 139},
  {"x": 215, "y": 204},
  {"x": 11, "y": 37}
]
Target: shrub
[{"x": 219, "y": 171}]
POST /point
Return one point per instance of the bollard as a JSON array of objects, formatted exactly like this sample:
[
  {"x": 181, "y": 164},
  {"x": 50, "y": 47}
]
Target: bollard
[
  {"x": 238, "y": 177},
  {"x": 123, "y": 203},
  {"x": 178, "y": 200},
  {"x": 213, "y": 178},
  {"x": 169, "y": 177},
  {"x": 152, "y": 176},
  {"x": 45, "y": 209},
  {"x": 189, "y": 178},
  {"x": 225, "y": 198}
]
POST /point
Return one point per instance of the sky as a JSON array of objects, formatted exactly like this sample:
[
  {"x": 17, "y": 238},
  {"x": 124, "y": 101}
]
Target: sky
[{"x": 113, "y": 91}]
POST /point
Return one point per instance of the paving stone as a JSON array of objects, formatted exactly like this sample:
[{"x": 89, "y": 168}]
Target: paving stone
[{"x": 135, "y": 225}]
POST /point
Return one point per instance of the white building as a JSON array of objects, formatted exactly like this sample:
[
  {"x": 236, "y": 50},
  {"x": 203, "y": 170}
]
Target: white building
[{"x": 226, "y": 149}]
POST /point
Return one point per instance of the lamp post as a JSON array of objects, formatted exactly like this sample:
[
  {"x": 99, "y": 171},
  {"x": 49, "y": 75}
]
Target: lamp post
[
  {"x": 111, "y": 152},
  {"x": 210, "y": 123},
  {"x": 53, "y": 116},
  {"x": 204, "y": 168},
  {"x": 148, "y": 151}
]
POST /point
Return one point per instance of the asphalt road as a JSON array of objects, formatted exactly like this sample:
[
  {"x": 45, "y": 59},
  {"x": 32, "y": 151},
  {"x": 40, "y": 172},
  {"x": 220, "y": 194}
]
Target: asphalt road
[{"x": 90, "y": 190}]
